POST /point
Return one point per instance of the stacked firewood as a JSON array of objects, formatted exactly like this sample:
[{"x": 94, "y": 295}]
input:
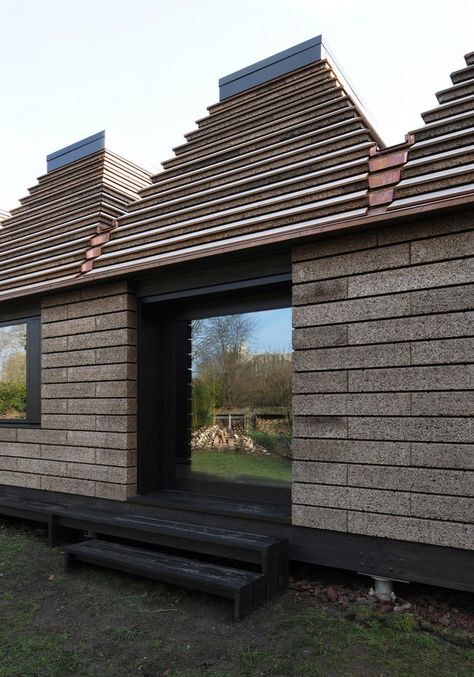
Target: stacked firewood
[
  {"x": 273, "y": 426},
  {"x": 223, "y": 439}
]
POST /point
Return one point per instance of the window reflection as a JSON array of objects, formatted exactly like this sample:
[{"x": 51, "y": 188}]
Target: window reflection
[
  {"x": 13, "y": 371},
  {"x": 241, "y": 396}
]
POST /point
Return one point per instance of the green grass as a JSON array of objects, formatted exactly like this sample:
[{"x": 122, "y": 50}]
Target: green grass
[
  {"x": 99, "y": 623},
  {"x": 233, "y": 465}
]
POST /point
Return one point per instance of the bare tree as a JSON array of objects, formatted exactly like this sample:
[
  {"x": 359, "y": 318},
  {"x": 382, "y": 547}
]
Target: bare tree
[{"x": 220, "y": 351}]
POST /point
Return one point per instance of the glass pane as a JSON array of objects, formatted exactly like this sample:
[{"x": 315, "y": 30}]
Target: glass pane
[
  {"x": 241, "y": 397},
  {"x": 13, "y": 371}
]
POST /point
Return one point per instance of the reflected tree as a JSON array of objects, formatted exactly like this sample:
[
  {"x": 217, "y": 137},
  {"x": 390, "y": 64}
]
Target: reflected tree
[{"x": 227, "y": 374}]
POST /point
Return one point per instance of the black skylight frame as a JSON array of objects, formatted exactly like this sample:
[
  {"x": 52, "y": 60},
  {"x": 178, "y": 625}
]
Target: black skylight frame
[{"x": 33, "y": 372}]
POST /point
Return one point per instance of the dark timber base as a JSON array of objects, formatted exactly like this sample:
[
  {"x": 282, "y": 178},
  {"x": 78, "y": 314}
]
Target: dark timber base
[
  {"x": 247, "y": 589},
  {"x": 217, "y": 505},
  {"x": 416, "y": 562}
]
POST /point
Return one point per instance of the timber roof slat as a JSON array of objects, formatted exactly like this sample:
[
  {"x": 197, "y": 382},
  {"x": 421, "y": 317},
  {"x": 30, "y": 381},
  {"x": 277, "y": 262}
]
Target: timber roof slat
[
  {"x": 198, "y": 249},
  {"x": 434, "y": 130},
  {"x": 242, "y": 189},
  {"x": 261, "y": 206},
  {"x": 436, "y": 163},
  {"x": 440, "y": 161},
  {"x": 311, "y": 151},
  {"x": 340, "y": 203},
  {"x": 266, "y": 181},
  {"x": 293, "y": 125},
  {"x": 240, "y": 172},
  {"x": 435, "y": 195},
  {"x": 327, "y": 133},
  {"x": 456, "y": 91},
  {"x": 46, "y": 237},
  {"x": 252, "y": 130},
  {"x": 462, "y": 75},
  {"x": 311, "y": 95},
  {"x": 244, "y": 145},
  {"x": 461, "y": 105},
  {"x": 314, "y": 82}
]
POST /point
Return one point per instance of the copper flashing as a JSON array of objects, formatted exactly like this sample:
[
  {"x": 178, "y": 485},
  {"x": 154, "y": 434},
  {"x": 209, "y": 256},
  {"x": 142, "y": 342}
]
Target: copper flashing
[
  {"x": 96, "y": 243},
  {"x": 380, "y": 197},
  {"x": 385, "y": 160},
  {"x": 385, "y": 168},
  {"x": 384, "y": 178},
  {"x": 86, "y": 266},
  {"x": 100, "y": 239}
]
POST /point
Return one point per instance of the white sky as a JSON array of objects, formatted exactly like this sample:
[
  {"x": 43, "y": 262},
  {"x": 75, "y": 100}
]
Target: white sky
[{"x": 146, "y": 69}]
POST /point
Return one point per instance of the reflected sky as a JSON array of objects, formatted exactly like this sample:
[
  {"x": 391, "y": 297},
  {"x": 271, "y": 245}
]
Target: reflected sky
[{"x": 272, "y": 331}]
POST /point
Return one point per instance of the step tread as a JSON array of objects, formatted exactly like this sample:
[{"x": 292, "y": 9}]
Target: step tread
[
  {"x": 178, "y": 568},
  {"x": 28, "y": 505},
  {"x": 275, "y": 512},
  {"x": 195, "y": 532},
  {"x": 199, "y": 532},
  {"x": 149, "y": 523}
]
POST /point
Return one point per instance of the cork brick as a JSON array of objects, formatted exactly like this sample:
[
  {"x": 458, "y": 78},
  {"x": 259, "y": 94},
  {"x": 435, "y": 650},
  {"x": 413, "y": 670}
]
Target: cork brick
[
  {"x": 383, "y": 380},
  {"x": 353, "y": 310},
  {"x": 319, "y": 518},
  {"x": 79, "y": 424}
]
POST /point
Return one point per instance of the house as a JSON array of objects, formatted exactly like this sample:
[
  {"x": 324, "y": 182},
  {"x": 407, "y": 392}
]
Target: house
[{"x": 285, "y": 195}]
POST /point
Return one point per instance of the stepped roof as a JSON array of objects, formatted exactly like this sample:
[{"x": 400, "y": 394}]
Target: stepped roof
[
  {"x": 440, "y": 161},
  {"x": 46, "y": 238},
  {"x": 288, "y": 152}
]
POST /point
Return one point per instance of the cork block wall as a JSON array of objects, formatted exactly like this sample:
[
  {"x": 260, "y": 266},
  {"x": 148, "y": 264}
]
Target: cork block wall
[
  {"x": 383, "y": 383},
  {"x": 87, "y": 440}
]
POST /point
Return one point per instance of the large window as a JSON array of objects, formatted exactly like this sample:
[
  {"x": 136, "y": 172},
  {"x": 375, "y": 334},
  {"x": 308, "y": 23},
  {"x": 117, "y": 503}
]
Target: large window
[
  {"x": 241, "y": 398},
  {"x": 20, "y": 371},
  {"x": 214, "y": 374}
]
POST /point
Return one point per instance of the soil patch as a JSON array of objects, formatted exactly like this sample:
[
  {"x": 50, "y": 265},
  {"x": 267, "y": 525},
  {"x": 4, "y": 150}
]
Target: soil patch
[{"x": 98, "y": 622}]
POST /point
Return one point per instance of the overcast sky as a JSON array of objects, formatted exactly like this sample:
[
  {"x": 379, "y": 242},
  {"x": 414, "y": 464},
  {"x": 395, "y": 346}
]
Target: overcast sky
[{"x": 146, "y": 69}]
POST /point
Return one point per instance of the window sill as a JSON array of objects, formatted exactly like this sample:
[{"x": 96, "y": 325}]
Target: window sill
[{"x": 19, "y": 424}]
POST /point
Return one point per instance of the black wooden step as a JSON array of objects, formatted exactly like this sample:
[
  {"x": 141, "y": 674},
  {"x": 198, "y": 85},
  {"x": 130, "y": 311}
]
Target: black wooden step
[
  {"x": 271, "y": 554},
  {"x": 246, "y": 588},
  {"x": 65, "y": 513},
  {"x": 279, "y": 513},
  {"x": 36, "y": 511}
]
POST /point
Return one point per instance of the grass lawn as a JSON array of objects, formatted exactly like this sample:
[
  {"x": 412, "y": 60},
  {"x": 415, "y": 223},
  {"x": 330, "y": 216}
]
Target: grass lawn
[
  {"x": 97, "y": 622},
  {"x": 234, "y": 465}
]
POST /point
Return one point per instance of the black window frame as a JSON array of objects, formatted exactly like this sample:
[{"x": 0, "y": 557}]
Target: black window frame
[
  {"x": 33, "y": 372},
  {"x": 161, "y": 354}
]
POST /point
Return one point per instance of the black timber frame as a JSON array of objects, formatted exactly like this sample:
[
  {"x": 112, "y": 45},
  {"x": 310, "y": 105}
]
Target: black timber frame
[
  {"x": 245, "y": 588},
  {"x": 30, "y": 316},
  {"x": 166, "y": 305},
  {"x": 164, "y": 398}
]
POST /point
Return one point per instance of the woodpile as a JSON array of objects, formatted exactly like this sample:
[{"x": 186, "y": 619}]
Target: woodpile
[
  {"x": 273, "y": 426},
  {"x": 223, "y": 439}
]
